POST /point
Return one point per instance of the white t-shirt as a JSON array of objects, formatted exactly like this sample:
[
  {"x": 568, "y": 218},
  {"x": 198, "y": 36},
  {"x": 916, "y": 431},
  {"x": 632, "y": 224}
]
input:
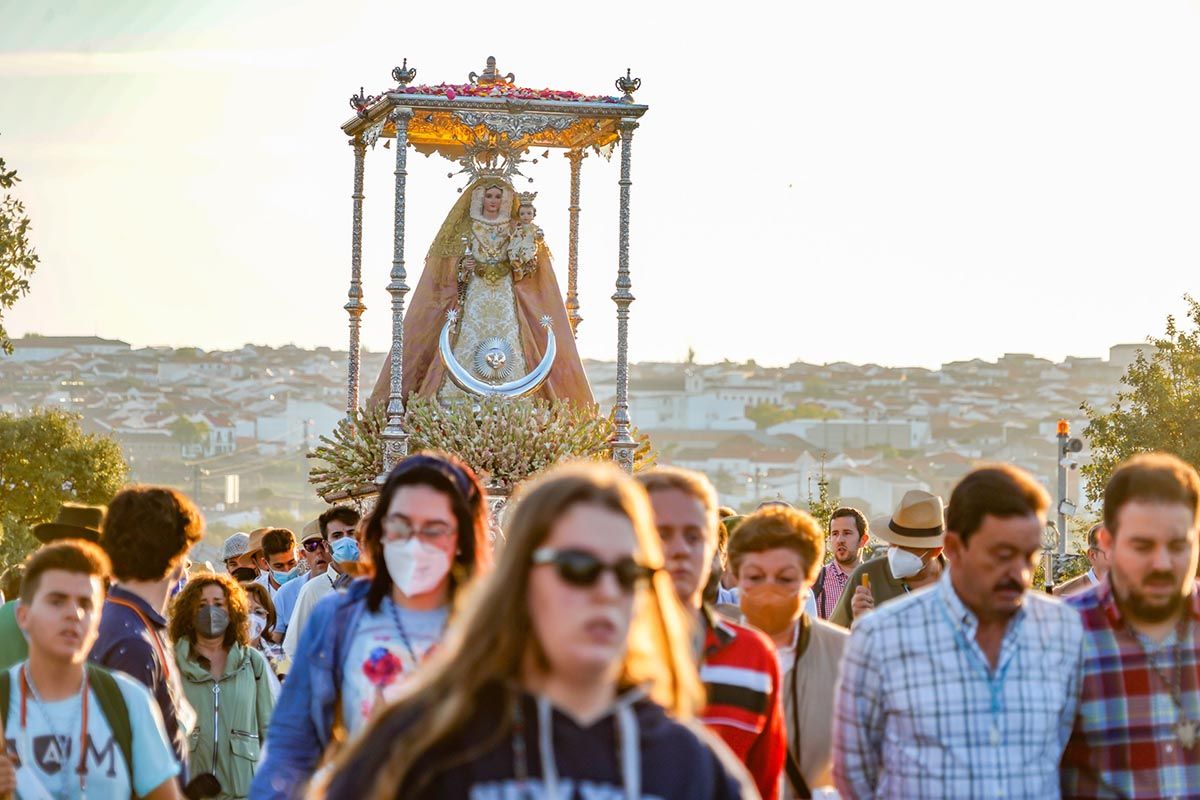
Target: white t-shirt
[
  {"x": 49, "y": 749},
  {"x": 378, "y": 662},
  {"x": 310, "y": 593}
]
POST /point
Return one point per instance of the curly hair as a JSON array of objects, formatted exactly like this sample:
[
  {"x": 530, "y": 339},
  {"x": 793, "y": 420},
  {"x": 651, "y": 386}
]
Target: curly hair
[
  {"x": 148, "y": 530},
  {"x": 187, "y": 603}
]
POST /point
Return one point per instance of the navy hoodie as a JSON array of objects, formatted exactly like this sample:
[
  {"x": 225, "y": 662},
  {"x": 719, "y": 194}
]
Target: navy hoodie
[{"x": 679, "y": 762}]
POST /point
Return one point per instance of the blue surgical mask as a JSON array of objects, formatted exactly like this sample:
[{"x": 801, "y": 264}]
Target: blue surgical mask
[
  {"x": 345, "y": 549},
  {"x": 283, "y": 577}
]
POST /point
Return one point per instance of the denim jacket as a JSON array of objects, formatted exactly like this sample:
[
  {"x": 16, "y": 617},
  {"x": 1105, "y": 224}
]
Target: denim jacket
[{"x": 302, "y": 724}]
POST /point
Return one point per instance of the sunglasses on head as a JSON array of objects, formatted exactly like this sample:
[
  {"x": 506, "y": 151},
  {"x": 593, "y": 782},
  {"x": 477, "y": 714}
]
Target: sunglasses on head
[
  {"x": 581, "y": 568},
  {"x": 313, "y": 545}
]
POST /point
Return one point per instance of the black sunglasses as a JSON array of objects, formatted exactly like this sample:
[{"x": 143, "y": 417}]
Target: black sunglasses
[
  {"x": 313, "y": 545},
  {"x": 581, "y": 568}
]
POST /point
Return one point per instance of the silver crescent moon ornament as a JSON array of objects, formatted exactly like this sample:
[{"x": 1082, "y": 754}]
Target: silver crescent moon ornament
[{"x": 520, "y": 387}]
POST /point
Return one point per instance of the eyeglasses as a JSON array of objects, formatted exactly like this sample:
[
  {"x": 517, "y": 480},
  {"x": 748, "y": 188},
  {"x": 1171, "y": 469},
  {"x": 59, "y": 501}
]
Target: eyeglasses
[
  {"x": 313, "y": 545},
  {"x": 401, "y": 528},
  {"x": 581, "y": 568}
]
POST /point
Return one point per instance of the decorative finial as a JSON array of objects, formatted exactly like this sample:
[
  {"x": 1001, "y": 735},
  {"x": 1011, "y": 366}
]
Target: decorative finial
[
  {"x": 403, "y": 75},
  {"x": 491, "y": 75},
  {"x": 360, "y": 101},
  {"x": 628, "y": 85}
]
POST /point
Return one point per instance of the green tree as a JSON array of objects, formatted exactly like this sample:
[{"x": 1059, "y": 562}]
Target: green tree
[
  {"x": 46, "y": 459},
  {"x": 17, "y": 257},
  {"x": 764, "y": 415},
  {"x": 824, "y": 504},
  {"x": 187, "y": 433},
  {"x": 1159, "y": 408}
]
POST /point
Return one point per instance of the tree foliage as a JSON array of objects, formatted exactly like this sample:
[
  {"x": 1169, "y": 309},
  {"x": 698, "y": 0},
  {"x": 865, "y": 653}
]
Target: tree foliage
[
  {"x": 188, "y": 433},
  {"x": 46, "y": 459},
  {"x": 1159, "y": 408},
  {"x": 765, "y": 415},
  {"x": 824, "y": 504},
  {"x": 17, "y": 257}
]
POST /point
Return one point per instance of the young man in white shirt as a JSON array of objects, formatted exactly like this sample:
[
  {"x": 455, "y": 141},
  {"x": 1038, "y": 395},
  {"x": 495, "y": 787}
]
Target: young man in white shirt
[{"x": 73, "y": 729}]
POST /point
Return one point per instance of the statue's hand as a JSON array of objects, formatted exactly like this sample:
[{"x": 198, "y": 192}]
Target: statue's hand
[{"x": 468, "y": 263}]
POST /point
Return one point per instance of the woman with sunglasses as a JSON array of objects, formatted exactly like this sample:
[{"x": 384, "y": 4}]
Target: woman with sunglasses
[
  {"x": 425, "y": 538},
  {"x": 567, "y": 675}
]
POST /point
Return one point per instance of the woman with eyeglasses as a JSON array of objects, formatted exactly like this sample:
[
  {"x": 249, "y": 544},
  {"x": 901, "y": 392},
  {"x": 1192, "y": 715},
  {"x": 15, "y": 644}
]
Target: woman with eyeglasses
[
  {"x": 568, "y": 674},
  {"x": 426, "y": 537}
]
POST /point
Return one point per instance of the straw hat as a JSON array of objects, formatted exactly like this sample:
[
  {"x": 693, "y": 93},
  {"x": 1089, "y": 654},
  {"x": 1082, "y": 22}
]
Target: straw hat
[{"x": 919, "y": 521}]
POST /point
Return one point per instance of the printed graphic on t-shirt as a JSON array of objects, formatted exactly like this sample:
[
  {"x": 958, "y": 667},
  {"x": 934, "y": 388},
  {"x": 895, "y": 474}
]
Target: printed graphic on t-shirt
[
  {"x": 380, "y": 661},
  {"x": 47, "y": 746}
]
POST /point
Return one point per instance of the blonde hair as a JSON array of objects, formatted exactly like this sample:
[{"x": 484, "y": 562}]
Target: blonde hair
[
  {"x": 487, "y": 645},
  {"x": 692, "y": 483}
]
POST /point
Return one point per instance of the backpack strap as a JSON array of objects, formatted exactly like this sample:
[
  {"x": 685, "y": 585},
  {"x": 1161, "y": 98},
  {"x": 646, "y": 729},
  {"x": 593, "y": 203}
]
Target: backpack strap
[
  {"x": 818, "y": 590},
  {"x": 112, "y": 703}
]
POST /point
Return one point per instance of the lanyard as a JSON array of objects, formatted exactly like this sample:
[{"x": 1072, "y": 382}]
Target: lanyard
[
  {"x": 995, "y": 684},
  {"x": 162, "y": 656},
  {"x": 27, "y": 690}
]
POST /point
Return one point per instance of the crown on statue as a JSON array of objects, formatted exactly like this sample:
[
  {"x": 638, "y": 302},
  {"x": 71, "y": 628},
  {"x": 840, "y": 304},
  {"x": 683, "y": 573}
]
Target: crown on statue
[
  {"x": 526, "y": 198},
  {"x": 491, "y": 158}
]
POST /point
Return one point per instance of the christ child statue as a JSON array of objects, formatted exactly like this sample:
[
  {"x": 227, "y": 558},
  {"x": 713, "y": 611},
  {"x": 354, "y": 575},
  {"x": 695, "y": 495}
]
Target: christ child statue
[{"x": 526, "y": 238}]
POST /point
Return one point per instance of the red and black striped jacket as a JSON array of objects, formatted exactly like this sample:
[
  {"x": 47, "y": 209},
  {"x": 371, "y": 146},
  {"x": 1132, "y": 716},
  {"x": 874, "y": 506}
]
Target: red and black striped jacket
[{"x": 741, "y": 678}]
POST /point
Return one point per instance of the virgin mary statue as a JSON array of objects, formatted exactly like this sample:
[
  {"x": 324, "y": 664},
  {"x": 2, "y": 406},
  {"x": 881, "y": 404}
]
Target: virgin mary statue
[{"x": 488, "y": 263}]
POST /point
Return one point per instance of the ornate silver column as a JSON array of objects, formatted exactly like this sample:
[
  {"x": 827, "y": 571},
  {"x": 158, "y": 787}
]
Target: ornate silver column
[
  {"x": 395, "y": 439},
  {"x": 576, "y": 158},
  {"x": 354, "y": 307},
  {"x": 622, "y": 443}
]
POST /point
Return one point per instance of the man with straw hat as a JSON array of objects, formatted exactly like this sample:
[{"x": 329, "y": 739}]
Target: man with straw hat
[
  {"x": 73, "y": 521},
  {"x": 914, "y": 533}
]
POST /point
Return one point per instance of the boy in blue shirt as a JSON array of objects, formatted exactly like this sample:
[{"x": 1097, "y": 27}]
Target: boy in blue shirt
[{"x": 72, "y": 729}]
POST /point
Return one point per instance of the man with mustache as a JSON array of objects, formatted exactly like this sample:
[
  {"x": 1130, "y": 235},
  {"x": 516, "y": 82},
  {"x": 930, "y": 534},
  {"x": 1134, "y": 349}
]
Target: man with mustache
[
  {"x": 966, "y": 688},
  {"x": 848, "y": 532},
  {"x": 1138, "y": 726},
  {"x": 737, "y": 665}
]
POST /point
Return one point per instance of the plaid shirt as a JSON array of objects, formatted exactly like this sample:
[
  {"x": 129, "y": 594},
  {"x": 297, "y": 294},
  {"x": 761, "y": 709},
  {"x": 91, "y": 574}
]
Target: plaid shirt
[
  {"x": 919, "y": 713},
  {"x": 1124, "y": 744},
  {"x": 833, "y": 581}
]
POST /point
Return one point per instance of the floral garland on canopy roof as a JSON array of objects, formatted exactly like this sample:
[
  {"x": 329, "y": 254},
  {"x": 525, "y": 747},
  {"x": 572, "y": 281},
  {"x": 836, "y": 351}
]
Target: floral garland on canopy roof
[{"x": 452, "y": 90}]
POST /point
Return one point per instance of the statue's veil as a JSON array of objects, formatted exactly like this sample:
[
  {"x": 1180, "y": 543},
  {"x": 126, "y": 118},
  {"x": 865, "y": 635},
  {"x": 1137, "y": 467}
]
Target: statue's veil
[{"x": 448, "y": 241}]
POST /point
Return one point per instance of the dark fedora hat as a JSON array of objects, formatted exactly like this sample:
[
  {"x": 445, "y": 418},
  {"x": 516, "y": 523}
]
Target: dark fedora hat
[{"x": 74, "y": 521}]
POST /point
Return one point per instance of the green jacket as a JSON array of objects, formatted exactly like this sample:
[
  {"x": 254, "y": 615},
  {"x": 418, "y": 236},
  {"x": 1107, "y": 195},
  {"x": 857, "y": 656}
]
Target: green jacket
[
  {"x": 13, "y": 647},
  {"x": 232, "y": 722},
  {"x": 883, "y": 588}
]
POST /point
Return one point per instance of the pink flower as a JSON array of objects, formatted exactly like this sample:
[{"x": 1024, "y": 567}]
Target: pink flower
[{"x": 450, "y": 95}]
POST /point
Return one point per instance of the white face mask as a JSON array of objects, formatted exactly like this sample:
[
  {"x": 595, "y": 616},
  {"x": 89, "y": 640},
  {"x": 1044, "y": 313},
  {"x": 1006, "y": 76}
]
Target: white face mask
[
  {"x": 415, "y": 567},
  {"x": 903, "y": 564},
  {"x": 258, "y": 624}
]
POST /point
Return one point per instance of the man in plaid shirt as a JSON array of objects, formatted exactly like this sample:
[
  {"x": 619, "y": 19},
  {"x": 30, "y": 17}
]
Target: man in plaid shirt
[
  {"x": 1138, "y": 727},
  {"x": 967, "y": 688}
]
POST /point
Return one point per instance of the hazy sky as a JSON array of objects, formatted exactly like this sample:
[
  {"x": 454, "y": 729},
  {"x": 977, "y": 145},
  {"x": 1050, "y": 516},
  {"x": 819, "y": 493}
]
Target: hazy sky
[{"x": 894, "y": 182}]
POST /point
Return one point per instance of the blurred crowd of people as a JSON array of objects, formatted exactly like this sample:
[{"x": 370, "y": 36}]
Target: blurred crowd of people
[{"x": 621, "y": 637}]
